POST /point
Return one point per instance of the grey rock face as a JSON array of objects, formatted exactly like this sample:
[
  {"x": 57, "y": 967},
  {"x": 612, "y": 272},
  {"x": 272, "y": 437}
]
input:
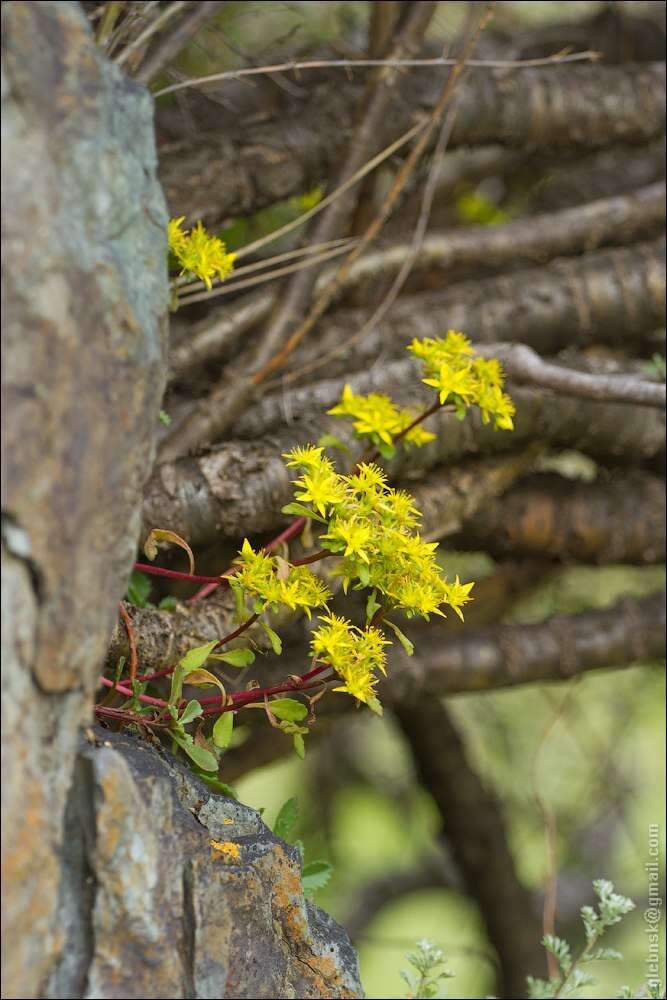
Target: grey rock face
[
  {"x": 84, "y": 306},
  {"x": 170, "y": 890}
]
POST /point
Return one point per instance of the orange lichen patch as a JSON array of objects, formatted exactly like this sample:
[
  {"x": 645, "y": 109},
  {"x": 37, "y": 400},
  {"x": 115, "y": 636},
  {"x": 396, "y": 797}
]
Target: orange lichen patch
[
  {"x": 289, "y": 910},
  {"x": 227, "y": 849}
]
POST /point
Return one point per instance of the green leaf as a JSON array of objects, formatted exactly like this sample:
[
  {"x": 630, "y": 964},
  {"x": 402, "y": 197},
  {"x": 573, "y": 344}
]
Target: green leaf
[
  {"x": 288, "y": 709},
  {"x": 403, "y": 639},
  {"x": 375, "y": 706},
  {"x": 197, "y": 657},
  {"x": 286, "y": 818},
  {"x": 301, "y": 511},
  {"x": 274, "y": 639},
  {"x": 315, "y": 876},
  {"x": 191, "y": 711},
  {"x": 164, "y": 418},
  {"x": 168, "y": 604},
  {"x": 372, "y": 605},
  {"x": 363, "y": 573},
  {"x": 192, "y": 660},
  {"x": 237, "y": 657},
  {"x": 138, "y": 589},
  {"x": 222, "y": 730},
  {"x": 201, "y": 757},
  {"x": 386, "y": 450},
  {"x": 299, "y": 746},
  {"x": 331, "y": 441}
]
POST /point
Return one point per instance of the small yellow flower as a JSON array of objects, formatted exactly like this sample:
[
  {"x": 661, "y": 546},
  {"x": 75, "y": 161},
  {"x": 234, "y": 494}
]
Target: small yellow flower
[
  {"x": 458, "y": 594},
  {"x": 199, "y": 253}
]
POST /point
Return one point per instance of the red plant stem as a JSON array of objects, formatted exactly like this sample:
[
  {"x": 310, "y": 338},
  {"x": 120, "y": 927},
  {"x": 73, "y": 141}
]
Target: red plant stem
[
  {"x": 256, "y": 694},
  {"x": 237, "y": 631},
  {"x": 119, "y": 715},
  {"x": 146, "y": 698},
  {"x": 316, "y": 556},
  {"x": 173, "y": 574},
  {"x": 145, "y": 678}
]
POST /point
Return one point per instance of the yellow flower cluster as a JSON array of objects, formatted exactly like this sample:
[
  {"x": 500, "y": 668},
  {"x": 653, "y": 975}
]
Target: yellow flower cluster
[
  {"x": 372, "y": 527},
  {"x": 199, "y": 253},
  {"x": 268, "y": 581},
  {"x": 463, "y": 380},
  {"x": 355, "y": 654},
  {"x": 378, "y": 418}
]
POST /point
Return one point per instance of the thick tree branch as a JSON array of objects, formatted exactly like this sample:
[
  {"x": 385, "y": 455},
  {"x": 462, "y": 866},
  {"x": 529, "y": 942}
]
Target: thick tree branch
[
  {"x": 562, "y": 647},
  {"x": 533, "y": 240},
  {"x": 252, "y": 165},
  {"x": 474, "y": 828},
  {"x": 620, "y": 518},
  {"x": 609, "y": 296},
  {"x": 239, "y": 487}
]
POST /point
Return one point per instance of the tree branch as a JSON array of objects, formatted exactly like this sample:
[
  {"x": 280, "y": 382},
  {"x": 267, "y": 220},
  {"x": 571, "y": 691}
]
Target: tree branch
[
  {"x": 608, "y": 297},
  {"x": 252, "y": 165},
  {"x": 239, "y": 487},
  {"x": 620, "y": 518},
  {"x": 474, "y": 827},
  {"x": 525, "y": 366},
  {"x": 565, "y": 646}
]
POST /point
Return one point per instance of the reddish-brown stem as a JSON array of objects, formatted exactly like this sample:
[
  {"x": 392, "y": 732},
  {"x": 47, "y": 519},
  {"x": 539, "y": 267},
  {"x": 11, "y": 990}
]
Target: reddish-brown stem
[
  {"x": 145, "y": 698},
  {"x": 119, "y": 715},
  {"x": 243, "y": 698},
  {"x": 237, "y": 631},
  {"x": 173, "y": 574},
  {"x": 131, "y": 641},
  {"x": 253, "y": 694},
  {"x": 145, "y": 678},
  {"x": 316, "y": 557}
]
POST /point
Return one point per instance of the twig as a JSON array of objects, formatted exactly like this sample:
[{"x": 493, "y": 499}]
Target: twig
[
  {"x": 172, "y": 42},
  {"x": 228, "y": 287},
  {"x": 523, "y": 364},
  {"x": 187, "y": 284},
  {"x": 159, "y": 22},
  {"x": 235, "y": 74},
  {"x": 131, "y": 641}
]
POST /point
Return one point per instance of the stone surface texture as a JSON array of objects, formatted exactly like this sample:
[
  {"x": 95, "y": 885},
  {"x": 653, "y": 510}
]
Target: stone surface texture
[{"x": 171, "y": 890}]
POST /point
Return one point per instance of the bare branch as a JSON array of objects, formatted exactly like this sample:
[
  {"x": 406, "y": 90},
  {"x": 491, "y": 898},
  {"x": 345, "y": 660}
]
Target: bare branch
[
  {"x": 630, "y": 632},
  {"x": 475, "y": 830},
  {"x": 173, "y": 40},
  {"x": 607, "y": 297},
  {"x": 619, "y": 518},
  {"x": 525, "y": 366}
]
